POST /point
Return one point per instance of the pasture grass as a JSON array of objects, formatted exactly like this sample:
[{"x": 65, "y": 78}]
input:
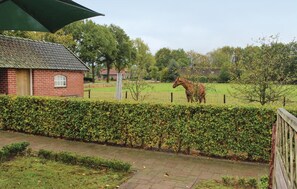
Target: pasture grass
[
  {"x": 161, "y": 93},
  {"x": 28, "y": 172},
  {"x": 212, "y": 184}
]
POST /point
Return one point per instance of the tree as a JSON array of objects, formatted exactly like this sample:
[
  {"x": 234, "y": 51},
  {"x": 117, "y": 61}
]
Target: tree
[
  {"x": 236, "y": 61},
  {"x": 221, "y": 56},
  {"x": 292, "y": 65},
  {"x": 224, "y": 76},
  {"x": 264, "y": 73},
  {"x": 180, "y": 57},
  {"x": 76, "y": 29},
  {"x": 198, "y": 60},
  {"x": 143, "y": 60},
  {"x": 154, "y": 73},
  {"x": 137, "y": 84},
  {"x": 163, "y": 56},
  {"x": 124, "y": 50},
  {"x": 171, "y": 72},
  {"x": 58, "y": 37},
  {"x": 143, "y": 56},
  {"x": 23, "y": 34},
  {"x": 97, "y": 45}
]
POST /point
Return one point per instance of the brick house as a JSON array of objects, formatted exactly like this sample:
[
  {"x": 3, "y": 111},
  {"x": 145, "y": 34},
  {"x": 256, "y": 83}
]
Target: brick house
[
  {"x": 112, "y": 74},
  {"x": 37, "y": 68}
]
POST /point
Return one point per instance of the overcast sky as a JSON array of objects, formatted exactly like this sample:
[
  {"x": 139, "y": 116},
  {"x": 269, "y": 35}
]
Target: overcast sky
[{"x": 199, "y": 25}]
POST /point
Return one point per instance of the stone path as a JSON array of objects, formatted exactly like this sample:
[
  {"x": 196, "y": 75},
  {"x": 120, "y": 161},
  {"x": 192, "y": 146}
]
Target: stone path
[{"x": 154, "y": 170}]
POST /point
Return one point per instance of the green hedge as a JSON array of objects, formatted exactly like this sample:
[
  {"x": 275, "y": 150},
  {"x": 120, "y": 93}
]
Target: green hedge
[
  {"x": 222, "y": 131},
  {"x": 12, "y": 150},
  {"x": 86, "y": 161}
]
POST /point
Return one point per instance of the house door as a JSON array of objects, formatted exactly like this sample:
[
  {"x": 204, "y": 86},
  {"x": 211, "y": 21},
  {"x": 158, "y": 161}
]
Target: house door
[{"x": 23, "y": 82}]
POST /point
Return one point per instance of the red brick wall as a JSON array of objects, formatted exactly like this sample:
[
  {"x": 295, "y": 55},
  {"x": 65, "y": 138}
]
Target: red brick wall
[
  {"x": 43, "y": 83},
  {"x": 11, "y": 75},
  {"x": 7, "y": 81}
]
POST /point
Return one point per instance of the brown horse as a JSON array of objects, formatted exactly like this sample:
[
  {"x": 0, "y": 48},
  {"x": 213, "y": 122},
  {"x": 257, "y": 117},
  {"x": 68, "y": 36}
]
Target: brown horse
[{"x": 193, "y": 91}]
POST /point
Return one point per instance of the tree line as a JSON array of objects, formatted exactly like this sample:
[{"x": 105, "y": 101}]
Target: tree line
[
  {"x": 108, "y": 46},
  {"x": 262, "y": 70}
]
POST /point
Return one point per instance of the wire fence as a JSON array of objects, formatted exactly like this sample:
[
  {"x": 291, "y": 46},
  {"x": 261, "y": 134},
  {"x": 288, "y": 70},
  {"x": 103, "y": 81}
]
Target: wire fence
[{"x": 180, "y": 98}]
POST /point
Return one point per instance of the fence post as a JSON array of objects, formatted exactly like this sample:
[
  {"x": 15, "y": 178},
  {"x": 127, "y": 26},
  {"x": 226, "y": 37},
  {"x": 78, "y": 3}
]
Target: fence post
[
  {"x": 284, "y": 102},
  {"x": 89, "y": 93},
  {"x": 224, "y": 99},
  {"x": 171, "y": 97},
  {"x": 126, "y": 95},
  {"x": 272, "y": 156}
]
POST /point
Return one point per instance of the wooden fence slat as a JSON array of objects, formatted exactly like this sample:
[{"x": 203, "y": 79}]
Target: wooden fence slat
[
  {"x": 279, "y": 134},
  {"x": 289, "y": 118},
  {"x": 286, "y": 147},
  {"x": 295, "y": 159},
  {"x": 285, "y": 164},
  {"x": 290, "y": 168},
  {"x": 283, "y": 139}
]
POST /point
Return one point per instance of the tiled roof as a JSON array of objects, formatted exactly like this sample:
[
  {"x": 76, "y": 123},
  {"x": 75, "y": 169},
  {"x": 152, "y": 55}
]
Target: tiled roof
[{"x": 29, "y": 54}]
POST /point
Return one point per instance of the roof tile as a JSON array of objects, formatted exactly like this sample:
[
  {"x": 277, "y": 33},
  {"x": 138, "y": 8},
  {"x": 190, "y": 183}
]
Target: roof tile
[{"x": 29, "y": 54}]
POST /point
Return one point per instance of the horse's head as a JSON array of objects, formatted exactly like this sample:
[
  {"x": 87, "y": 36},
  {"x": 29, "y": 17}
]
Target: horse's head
[{"x": 177, "y": 82}]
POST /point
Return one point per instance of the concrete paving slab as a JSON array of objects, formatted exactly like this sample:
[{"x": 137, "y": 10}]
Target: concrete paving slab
[{"x": 154, "y": 170}]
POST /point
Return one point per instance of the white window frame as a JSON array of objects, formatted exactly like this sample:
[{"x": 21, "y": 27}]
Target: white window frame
[{"x": 60, "y": 81}]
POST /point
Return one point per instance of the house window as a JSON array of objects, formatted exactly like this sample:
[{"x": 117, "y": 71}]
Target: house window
[{"x": 60, "y": 81}]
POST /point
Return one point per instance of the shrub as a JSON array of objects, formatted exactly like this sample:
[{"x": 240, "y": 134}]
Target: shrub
[
  {"x": 203, "y": 79},
  {"x": 228, "y": 181},
  {"x": 86, "y": 161},
  {"x": 245, "y": 183},
  {"x": 241, "y": 182},
  {"x": 223, "y": 131},
  {"x": 263, "y": 184},
  {"x": 252, "y": 182},
  {"x": 12, "y": 150}
]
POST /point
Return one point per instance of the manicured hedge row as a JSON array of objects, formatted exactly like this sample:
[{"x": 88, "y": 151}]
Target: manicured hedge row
[
  {"x": 12, "y": 150},
  {"x": 232, "y": 132},
  {"x": 86, "y": 161}
]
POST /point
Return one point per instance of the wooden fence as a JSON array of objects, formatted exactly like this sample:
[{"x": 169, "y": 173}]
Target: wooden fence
[{"x": 285, "y": 159}]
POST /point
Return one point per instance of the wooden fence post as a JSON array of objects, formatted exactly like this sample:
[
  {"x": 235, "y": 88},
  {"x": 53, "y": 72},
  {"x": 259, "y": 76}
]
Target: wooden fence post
[
  {"x": 272, "y": 157},
  {"x": 171, "y": 97},
  {"x": 284, "y": 101},
  {"x": 89, "y": 93},
  {"x": 224, "y": 99},
  {"x": 126, "y": 95}
]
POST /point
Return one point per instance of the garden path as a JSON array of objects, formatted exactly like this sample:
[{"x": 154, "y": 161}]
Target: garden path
[{"x": 153, "y": 170}]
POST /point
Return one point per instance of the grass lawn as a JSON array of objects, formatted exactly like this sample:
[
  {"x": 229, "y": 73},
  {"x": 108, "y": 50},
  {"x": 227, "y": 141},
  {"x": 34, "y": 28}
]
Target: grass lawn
[
  {"x": 234, "y": 183},
  {"x": 212, "y": 184},
  {"x": 161, "y": 93},
  {"x": 33, "y": 172}
]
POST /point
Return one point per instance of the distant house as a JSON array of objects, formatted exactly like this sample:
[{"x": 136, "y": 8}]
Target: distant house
[
  {"x": 37, "y": 68},
  {"x": 206, "y": 72},
  {"x": 209, "y": 71},
  {"x": 112, "y": 74}
]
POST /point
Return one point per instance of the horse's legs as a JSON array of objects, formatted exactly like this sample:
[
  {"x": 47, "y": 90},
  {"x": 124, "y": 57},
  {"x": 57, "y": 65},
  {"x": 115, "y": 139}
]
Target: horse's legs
[{"x": 189, "y": 96}]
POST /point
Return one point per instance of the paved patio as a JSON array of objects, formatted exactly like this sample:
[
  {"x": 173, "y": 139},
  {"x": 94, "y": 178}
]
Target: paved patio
[{"x": 154, "y": 170}]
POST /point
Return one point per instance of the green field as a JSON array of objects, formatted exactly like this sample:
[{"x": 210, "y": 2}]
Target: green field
[
  {"x": 161, "y": 93},
  {"x": 33, "y": 172}
]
